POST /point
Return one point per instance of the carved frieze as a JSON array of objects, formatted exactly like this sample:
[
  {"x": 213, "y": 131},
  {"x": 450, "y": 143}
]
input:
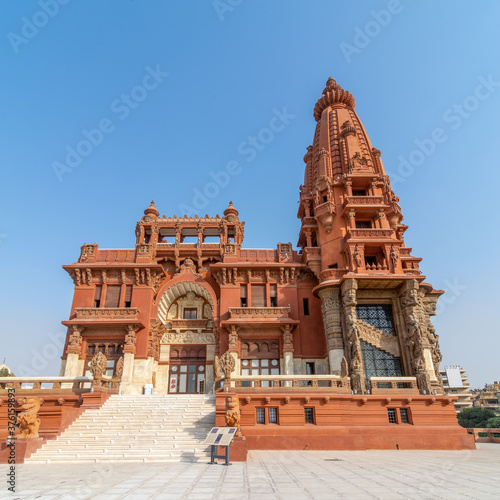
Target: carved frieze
[{"x": 187, "y": 337}]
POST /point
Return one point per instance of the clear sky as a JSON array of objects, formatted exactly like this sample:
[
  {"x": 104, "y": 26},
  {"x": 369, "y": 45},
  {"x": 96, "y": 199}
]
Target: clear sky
[{"x": 169, "y": 93}]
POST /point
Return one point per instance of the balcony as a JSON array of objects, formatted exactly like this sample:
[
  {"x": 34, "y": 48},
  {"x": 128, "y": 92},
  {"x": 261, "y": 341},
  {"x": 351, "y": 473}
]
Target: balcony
[
  {"x": 105, "y": 316},
  {"x": 189, "y": 324},
  {"x": 270, "y": 316},
  {"x": 370, "y": 234},
  {"x": 259, "y": 312},
  {"x": 393, "y": 385},
  {"x": 364, "y": 202}
]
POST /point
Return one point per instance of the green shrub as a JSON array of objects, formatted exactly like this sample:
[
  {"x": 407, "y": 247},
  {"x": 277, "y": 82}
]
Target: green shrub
[{"x": 474, "y": 417}]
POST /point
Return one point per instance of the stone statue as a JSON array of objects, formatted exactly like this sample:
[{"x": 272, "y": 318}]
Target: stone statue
[
  {"x": 344, "y": 368},
  {"x": 227, "y": 364},
  {"x": 98, "y": 365},
  {"x": 27, "y": 419},
  {"x": 233, "y": 414}
]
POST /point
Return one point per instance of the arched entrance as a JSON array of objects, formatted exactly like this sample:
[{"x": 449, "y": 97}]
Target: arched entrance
[{"x": 187, "y": 348}]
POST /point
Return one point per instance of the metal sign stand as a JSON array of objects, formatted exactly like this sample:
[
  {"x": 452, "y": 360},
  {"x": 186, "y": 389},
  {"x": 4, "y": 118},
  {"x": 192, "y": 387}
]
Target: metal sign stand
[
  {"x": 213, "y": 454},
  {"x": 220, "y": 436}
]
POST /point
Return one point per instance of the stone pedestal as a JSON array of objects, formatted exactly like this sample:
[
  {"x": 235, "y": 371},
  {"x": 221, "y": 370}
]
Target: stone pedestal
[{"x": 238, "y": 450}]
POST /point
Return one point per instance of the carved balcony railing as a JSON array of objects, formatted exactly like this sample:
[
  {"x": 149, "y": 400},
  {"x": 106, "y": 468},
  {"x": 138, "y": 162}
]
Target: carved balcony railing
[
  {"x": 27, "y": 385},
  {"x": 106, "y": 313},
  {"x": 259, "y": 312},
  {"x": 115, "y": 255},
  {"x": 330, "y": 383},
  {"x": 188, "y": 324},
  {"x": 394, "y": 385},
  {"x": 370, "y": 233},
  {"x": 258, "y": 255},
  {"x": 364, "y": 201}
]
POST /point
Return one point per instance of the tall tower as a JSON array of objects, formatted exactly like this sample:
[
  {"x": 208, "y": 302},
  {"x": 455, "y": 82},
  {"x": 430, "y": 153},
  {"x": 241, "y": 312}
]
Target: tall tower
[{"x": 376, "y": 306}]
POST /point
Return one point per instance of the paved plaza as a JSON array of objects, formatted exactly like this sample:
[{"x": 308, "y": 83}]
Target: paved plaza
[{"x": 286, "y": 475}]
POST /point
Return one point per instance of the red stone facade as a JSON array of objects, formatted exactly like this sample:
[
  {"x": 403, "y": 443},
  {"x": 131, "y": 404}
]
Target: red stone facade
[{"x": 349, "y": 306}]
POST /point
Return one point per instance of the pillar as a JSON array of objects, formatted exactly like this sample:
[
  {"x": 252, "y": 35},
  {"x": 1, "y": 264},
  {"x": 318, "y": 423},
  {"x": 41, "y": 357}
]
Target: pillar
[
  {"x": 353, "y": 345},
  {"x": 128, "y": 373},
  {"x": 330, "y": 307}
]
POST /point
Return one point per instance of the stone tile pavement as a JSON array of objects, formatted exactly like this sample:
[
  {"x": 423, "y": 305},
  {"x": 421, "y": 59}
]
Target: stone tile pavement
[{"x": 295, "y": 475}]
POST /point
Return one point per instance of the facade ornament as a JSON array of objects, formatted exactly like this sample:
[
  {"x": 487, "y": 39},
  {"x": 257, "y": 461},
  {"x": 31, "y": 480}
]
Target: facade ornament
[
  {"x": 227, "y": 365},
  {"x": 75, "y": 340},
  {"x": 27, "y": 419},
  {"x": 233, "y": 414},
  {"x": 119, "y": 368},
  {"x": 97, "y": 367},
  {"x": 78, "y": 277}
]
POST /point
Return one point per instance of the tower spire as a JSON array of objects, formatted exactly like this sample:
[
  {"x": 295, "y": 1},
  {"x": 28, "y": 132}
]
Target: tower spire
[{"x": 351, "y": 219}]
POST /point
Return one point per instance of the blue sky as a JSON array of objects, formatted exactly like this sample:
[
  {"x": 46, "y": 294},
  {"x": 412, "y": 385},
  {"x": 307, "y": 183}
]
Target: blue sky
[{"x": 423, "y": 73}]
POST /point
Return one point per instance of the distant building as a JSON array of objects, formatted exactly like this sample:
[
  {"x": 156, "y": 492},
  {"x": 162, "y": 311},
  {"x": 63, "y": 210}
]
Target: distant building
[
  {"x": 456, "y": 383},
  {"x": 488, "y": 398}
]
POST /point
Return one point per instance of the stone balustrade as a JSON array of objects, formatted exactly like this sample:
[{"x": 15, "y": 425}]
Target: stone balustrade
[
  {"x": 25, "y": 385},
  {"x": 363, "y": 200},
  {"x": 490, "y": 435},
  {"x": 111, "y": 313},
  {"x": 384, "y": 385},
  {"x": 381, "y": 233},
  {"x": 333, "y": 383},
  {"x": 190, "y": 324},
  {"x": 332, "y": 274},
  {"x": 259, "y": 312},
  {"x": 258, "y": 255}
]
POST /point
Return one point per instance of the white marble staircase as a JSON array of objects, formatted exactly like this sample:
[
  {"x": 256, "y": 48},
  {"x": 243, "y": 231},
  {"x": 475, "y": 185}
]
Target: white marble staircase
[{"x": 136, "y": 429}]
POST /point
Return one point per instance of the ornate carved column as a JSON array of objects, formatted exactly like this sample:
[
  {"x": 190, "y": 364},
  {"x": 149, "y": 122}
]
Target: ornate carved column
[
  {"x": 351, "y": 336},
  {"x": 233, "y": 346},
  {"x": 330, "y": 307},
  {"x": 287, "y": 350},
  {"x": 128, "y": 359},
  {"x": 72, "y": 368},
  {"x": 417, "y": 344}
]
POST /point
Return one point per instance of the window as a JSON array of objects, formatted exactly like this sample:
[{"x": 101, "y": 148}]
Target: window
[
  {"x": 113, "y": 296},
  {"x": 391, "y": 413},
  {"x": 256, "y": 367},
  {"x": 378, "y": 363},
  {"x": 267, "y": 415},
  {"x": 273, "y": 415},
  {"x": 243, "y": 296},
  {"x": 309, "y": 415},
  {"x": 333, "y": 266},
  {"x": 377, "y": 315},
  {"x": 305, "y": 303},
  {"x": 128, "y": 295},
  {"x": 261, "y": 415},
  {"x": 273, "y": 289},
  {"x": 359, "y": 192},
  {"x": 258, "y": 295},
  {"x": 310, "y": 368},
  {"x": 403, "y": 412},
  {"x": 363, "y": 224},
  {"x": 97, "y": 296},
  {"x": 190, "y": 313}
]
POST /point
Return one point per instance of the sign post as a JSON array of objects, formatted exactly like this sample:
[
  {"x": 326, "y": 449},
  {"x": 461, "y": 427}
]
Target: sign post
[{"x": 220, "y": 436}]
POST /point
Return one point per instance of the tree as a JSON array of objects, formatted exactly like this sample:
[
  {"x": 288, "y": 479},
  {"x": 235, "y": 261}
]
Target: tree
[
  {"x": 4, "y": 372},
  {"x": 493, "y": 423},
  {"x": 474, "y": 417}
]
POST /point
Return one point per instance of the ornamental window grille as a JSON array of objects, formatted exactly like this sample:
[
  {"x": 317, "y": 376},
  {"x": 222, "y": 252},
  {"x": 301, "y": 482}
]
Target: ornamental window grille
[
  {"x": 378, "y": 316},
  {"x": 261, "y": 415},
  {"x": 378, "y": 363},
  {"x": 403, "y": 412},
  {"x": 309, "y": 415},
  {"x": 391, "y": 413}
]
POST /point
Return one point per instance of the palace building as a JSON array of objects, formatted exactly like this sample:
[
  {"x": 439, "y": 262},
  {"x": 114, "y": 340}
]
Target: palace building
[
  {"x": 189, "y": 290},
  {"x": 326, "y": 345}
]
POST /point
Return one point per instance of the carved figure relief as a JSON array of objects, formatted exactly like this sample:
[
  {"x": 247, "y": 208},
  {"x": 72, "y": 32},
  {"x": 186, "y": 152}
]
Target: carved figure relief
[
  {"x": 98, "y": 365},
  {"x": 233, "y": 414},
  {"x": 227, "y": 364},
  {"x": 27, "y": 418}
]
